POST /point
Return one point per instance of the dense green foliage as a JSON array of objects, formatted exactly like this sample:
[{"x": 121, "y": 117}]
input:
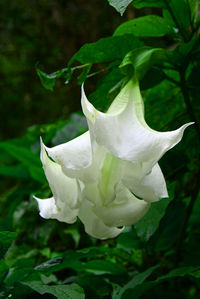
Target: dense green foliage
[{"x": 159, "y": 257}]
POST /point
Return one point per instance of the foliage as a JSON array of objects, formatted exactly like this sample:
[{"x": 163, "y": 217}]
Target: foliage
[{"x": 161, "y": 254}]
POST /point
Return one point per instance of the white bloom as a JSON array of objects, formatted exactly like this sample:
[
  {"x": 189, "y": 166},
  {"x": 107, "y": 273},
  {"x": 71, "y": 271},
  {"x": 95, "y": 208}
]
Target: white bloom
[{"x": 108, "y": 176}]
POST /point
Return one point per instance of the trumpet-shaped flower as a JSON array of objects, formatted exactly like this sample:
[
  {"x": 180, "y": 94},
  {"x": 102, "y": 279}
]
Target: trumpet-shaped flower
[{"x": 109, "y": 176}]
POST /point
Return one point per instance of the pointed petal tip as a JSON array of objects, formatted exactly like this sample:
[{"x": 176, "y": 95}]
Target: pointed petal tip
[
  {"x": 39, "y": 200},
  {"x": 182, "y": 129},
  {"x": 188, "y": 124},
  {"x": 42, "y": 145},
  {"x": 44, "y": 153},
  {"x": 88, "y": 109},
  {"x": 34, "y": 197}
]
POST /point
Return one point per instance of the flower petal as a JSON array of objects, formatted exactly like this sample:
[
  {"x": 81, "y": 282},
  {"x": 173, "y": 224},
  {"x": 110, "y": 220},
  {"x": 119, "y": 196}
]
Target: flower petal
[
  {"x": 123, "y": 131},
  {"x": 48, "y": 209},
  {"x": 63, "y": 205},
  {"x": 94, "y": 226},
  {"x": 64, "y": 189},
  {"x": 126, "y": 209},
  {"x": 76, "y": 158},
  {"x": 151, "y": 187}
]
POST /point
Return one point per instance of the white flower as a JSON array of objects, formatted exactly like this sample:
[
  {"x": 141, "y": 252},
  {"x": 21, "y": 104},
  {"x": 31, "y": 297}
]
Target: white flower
[{"x": 108, "y": 176}]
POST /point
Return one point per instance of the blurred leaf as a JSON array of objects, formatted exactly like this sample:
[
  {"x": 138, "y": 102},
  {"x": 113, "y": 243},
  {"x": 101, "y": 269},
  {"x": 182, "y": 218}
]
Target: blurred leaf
[
  {"x": 71, "y": 291},
  {"x": 165, "y": 100},
  {"x": 6, "y": 238},
  {"x": 48, "y": 81},
  {"x": 48, "y": 279},
  {"x": 140, "y": 60},
  {"x": 193, "y": 5},
  {"x": 166, "y": 235},
  {"x": 27, "y": 158},
  {"x": 178, "y": 13},
  {"x": 37, "y": 173},
  {"x": 73, "y": 231},
  {"x": 106, "y": 49},
  {"x": 152, "y": 77},
  {"x": 147, "y": 226},
  {"x": 128, "y": 240},
  {"x": 22, "y": 154},
  {"x": 179, "y": 272},
  {"x": 194, "y": 271},
  {"x": 18, "y": 171},
  {"x": 138, "y": 279},
  {"x": 83, "y": 75},
  {"x": 17, "y": 274},
  {"x": 76, "y": 125},
  {"x": 148, "y": 3},
  {"x": 107, "y": 88},
  {"x": 100, "y": 267},
  {"x": 3, "y": 269},
  {"x": 99, "y": 288},
  {"x": 120, "y": 5},
  {"x": 180, "y": 54},
  {"x": 150, "y": 25},
  {"x": 49, "y": 264}
]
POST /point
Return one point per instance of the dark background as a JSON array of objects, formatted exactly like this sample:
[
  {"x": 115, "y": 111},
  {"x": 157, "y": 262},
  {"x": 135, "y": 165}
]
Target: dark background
[{"x": 45, "y": 33}]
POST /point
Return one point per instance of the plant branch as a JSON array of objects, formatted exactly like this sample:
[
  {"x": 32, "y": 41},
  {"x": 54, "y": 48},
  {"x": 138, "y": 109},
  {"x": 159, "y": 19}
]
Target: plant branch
[
  {"x": 188, "y": 102},
  {"x": 188, "y": 212}
]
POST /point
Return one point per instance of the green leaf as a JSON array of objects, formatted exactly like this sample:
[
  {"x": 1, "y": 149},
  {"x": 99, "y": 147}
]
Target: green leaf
[
  {"x": 150, "y": 25},
  {"x": 152, "y": 77},
  {"x": 148, "y": 3},
  {"x": 18, "y": 171},
  {"x": 147, "y": 226},
  {"x": 120, "y": 5},
  {"x": 22, "y": 154},
  {"x": 178, "y": 14},
  {"x": 193, "y": 5},
  {"x": 47, "y": 279},
  {"x": 52, "y": 263},
  {"x": 179, "y": 272},
  {"x": 71, "y": 291},
  {"x": 70, "y": 259},
  {"x": 106, "y": 49},
  {"x": 3, "y": 269},
  {"x": 48, "y": 81},
  {"x": 17, "y": 274},
  {"x": 37, "y": 173},
  {"x": 74, "y": 232},
  {"x": 104, "y": 267},
  {"x": 84, "y": 73},
  {"x": 180, "y": 54},
  {"x": 107, "y": 89},
  {"x": 128, "y": 240},
  {"x": 6, "y": 238},
  {"x": 140, "y": 60},
  {"x": 138, "y": 279},
  {"x": 27, "y": 158}
]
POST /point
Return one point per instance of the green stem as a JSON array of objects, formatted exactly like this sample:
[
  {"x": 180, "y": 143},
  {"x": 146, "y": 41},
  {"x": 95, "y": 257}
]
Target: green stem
[
  {"x": 187, "y": 101},
  {"x": 196, "y": 189},
  {"x": 80, "y": 66},
  {"x": 186, "y": 219}
]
